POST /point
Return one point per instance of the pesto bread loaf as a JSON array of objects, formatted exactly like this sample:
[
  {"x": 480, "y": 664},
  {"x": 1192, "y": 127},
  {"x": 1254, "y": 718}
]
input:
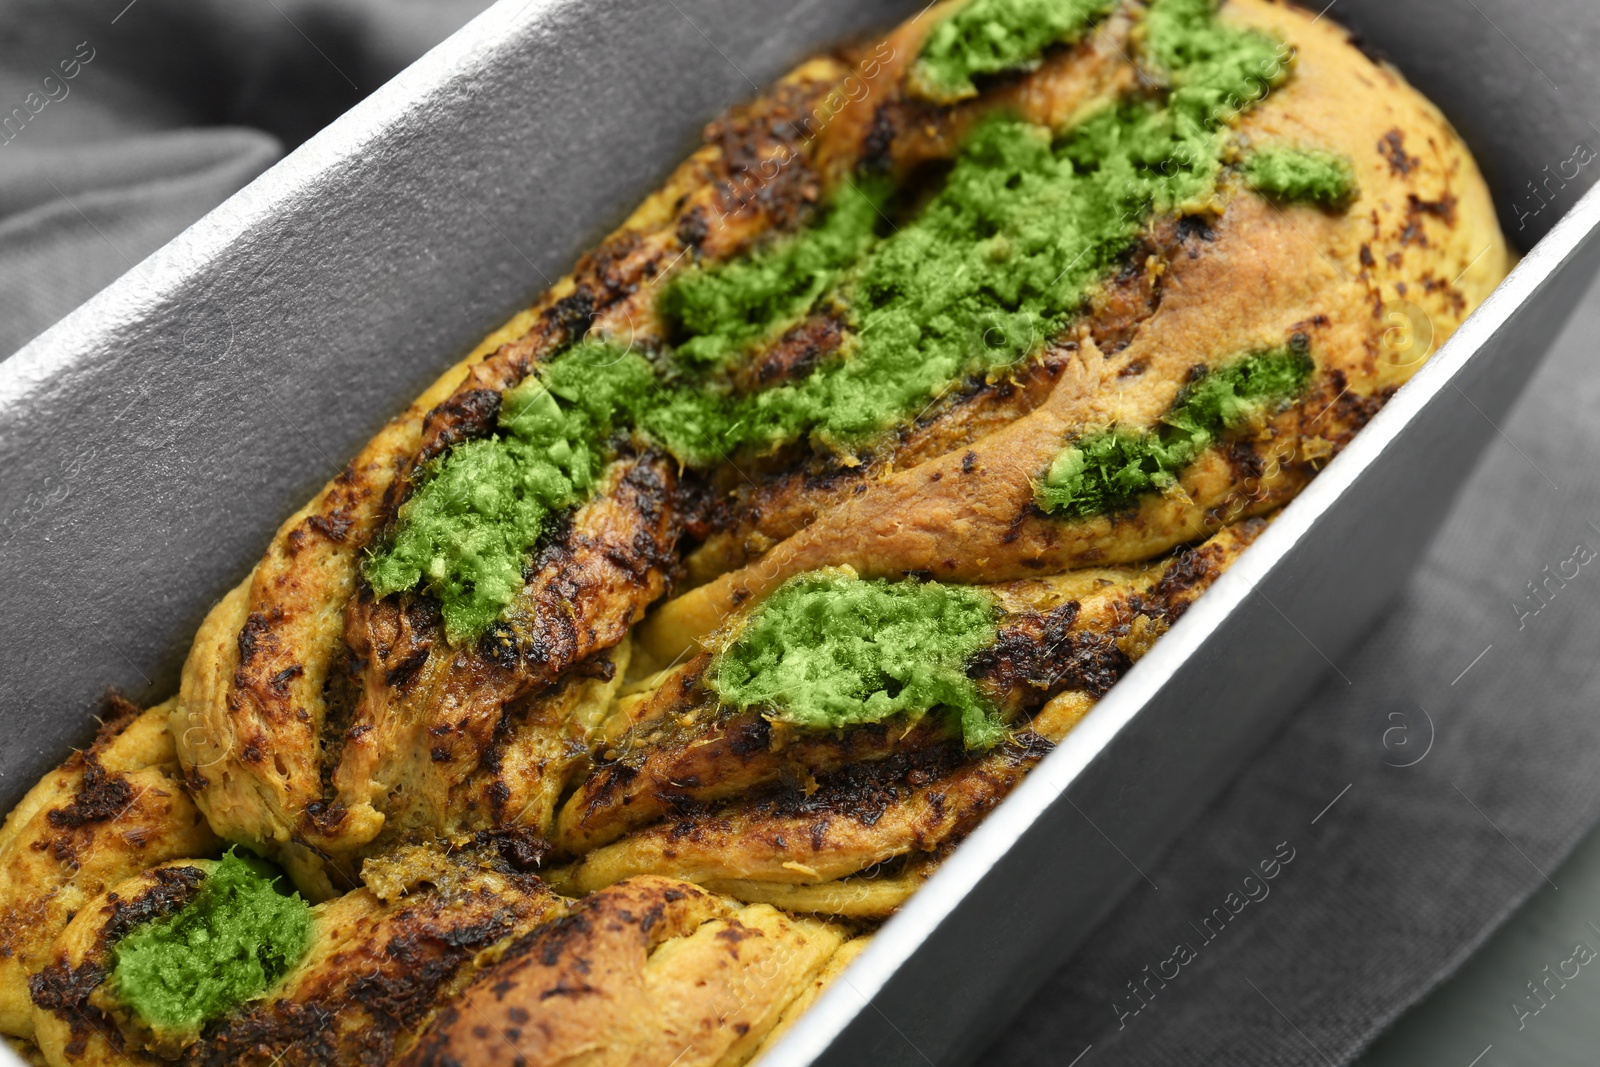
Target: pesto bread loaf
[{"x": 1141, "y": 286}]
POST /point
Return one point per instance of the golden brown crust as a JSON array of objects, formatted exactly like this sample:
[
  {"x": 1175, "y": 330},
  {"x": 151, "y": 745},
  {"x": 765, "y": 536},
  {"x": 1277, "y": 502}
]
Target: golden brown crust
[
  {"x": 693, "y": 756},
  {"x": 1070, "y": 634},
  {"x": 866, "y": 897},
  {"x": 865, "y": 814},
  {"x": 485, "y": 736},
  {"x": 72, "y": 1025},
  {"x": 649, "y": 971},
  {"x": 376, "y": 972},
  {"x": 372, "y": 976},
  {"x": 107, "y": 813},
  {"x": 836, "y": 966}
]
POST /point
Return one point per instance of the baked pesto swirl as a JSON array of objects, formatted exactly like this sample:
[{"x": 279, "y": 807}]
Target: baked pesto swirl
[
  {"x": 237, "y": 937},
  {"x": 1109, "y": 469},
  {"x": 830, "y": 650},
  {"x": 977, "y": 280}
]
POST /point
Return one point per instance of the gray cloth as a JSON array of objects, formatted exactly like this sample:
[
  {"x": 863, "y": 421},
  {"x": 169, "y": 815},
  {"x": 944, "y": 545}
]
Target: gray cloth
[
  {"x": 122, "y": 123},
  {"x": 1387, "y": 890}
]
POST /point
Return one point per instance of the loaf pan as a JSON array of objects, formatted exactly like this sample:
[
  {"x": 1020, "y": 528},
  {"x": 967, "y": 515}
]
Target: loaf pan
[{"x": 152, "y": 441}]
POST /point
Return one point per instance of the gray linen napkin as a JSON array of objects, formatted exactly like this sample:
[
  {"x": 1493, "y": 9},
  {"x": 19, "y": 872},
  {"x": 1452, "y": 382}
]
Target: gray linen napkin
[{"x": 122, "y": 123}]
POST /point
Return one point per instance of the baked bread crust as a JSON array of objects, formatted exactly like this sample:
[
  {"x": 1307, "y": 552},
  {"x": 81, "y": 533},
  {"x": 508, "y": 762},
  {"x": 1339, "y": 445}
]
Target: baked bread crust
[
  {"x": 110, "y": 811},
  {"x": 650, "y": 970},
  {"x": 373, "y": 975}
]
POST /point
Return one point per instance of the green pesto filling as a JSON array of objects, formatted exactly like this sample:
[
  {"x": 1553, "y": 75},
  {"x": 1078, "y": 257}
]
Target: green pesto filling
[
  {"x": 1111, "y": 469},
  {"x": 234, "y": 940},
  {"x": 1216, "y": 70},
  {"x": 1003, "y": 256},
  {"x": 1313, "y": 175},
  {"x": 471, "y": 523},
  {"x": 994, "y": 36},
  {"x": 721, "y": 311},
  {"x": 997, "y": 262},
  {"x": 830, "y": 650}
]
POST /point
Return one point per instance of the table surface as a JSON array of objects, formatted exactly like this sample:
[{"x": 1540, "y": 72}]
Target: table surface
[{"x": 1485, "y": 1015}]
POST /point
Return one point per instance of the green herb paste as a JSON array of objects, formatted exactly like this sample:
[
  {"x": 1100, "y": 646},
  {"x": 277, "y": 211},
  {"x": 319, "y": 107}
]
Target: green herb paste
[
  {"x": 830, "y": 650},
  {"x": 467, "y": 530},
  {"x": 994, "y": 36},
  {"x": 234, "y": 940},
  {"x": 1111, "y": 469},
  {"x": 721, "y": 311},
  {"x": 994, "y": 264},
  {"x": 1312, "y": 175}
]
